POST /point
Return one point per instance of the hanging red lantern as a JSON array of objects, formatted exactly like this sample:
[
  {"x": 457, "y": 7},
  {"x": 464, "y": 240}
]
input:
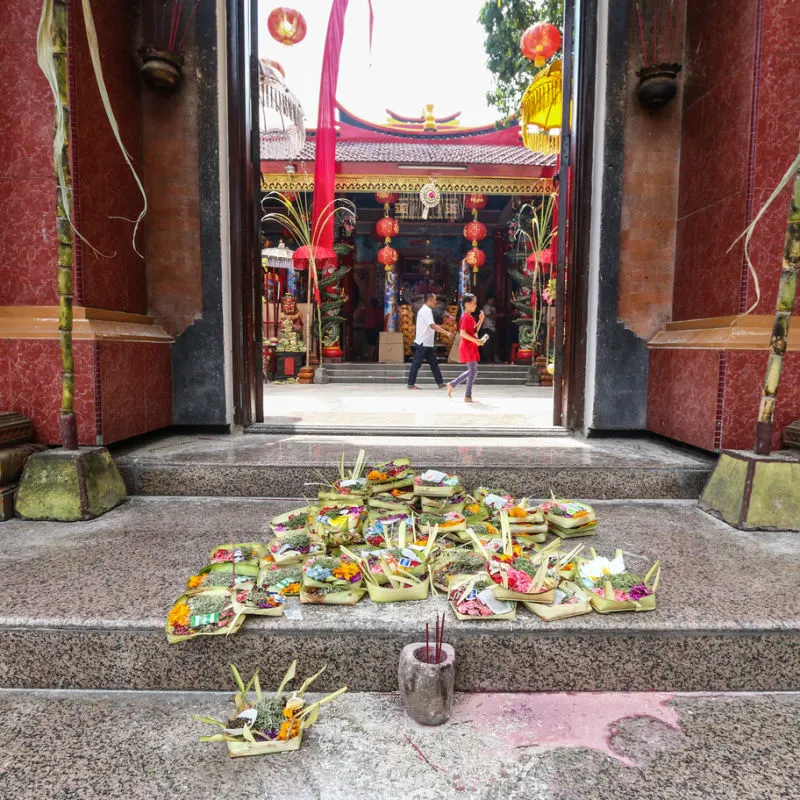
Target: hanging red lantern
[
  {"x": 540, "y": 42},
  {"x": 475, "y": 202},
  {"x": 387, "y": 256},
  {"x": 286, "y": 26},
  {"x": 386, "y": 198},
  {"x": 387, "y": 227},
  {"x": 475, "y": 258},
  {"x": 475, "y": 231}
]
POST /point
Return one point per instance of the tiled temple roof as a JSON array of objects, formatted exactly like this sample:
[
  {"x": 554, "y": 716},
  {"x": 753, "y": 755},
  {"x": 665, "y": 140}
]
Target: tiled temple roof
[{"x": 432, "y": 153}]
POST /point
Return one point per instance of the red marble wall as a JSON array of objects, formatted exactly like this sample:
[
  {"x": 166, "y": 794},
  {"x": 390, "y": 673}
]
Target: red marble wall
[
  {"x": 114, "y": 277},
  {"x": 27, "y": 183},
  {"x": 710, "y": 398},
  {"x": 739, "y": 136},
  {"x": 681, "y": 400}
]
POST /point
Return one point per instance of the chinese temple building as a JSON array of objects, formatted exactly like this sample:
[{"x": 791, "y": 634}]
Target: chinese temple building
[{"x": 395, "y": 160}]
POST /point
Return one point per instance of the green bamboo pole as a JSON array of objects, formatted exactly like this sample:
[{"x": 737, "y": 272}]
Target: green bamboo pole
[
  {"x": 787, "y": 294},
  {"x": 69, "y": 429}
]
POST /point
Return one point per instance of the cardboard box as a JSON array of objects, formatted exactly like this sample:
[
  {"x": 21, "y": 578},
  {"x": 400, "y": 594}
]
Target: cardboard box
[{"x": 390, "y": 349}]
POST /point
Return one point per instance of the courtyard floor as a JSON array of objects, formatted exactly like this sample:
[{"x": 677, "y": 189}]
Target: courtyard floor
[{"x": 369, "y": 406}]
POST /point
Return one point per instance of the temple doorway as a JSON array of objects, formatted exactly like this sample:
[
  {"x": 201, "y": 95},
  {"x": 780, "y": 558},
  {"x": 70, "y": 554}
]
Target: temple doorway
[{"x": 434, "y": 206}]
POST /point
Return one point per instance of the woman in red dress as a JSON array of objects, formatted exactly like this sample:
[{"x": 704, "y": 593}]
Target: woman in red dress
[{"x": 468, "y": 348}]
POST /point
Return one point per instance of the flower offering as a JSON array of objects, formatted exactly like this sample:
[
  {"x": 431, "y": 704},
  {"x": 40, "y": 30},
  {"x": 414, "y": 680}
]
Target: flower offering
[
  {"x": 613, "y": 587},
  {"x": 474, "y": 598},
  {"x": 433, "y": 483},
  {"x": 267, "y": 723},
  {"x": 331, "y": 581},
  {"x": 294, "y": 548},
  {"x": 249, "y": 553},
  {"x": 210, "y": 612},
  {"x": 568, "y": 518}
]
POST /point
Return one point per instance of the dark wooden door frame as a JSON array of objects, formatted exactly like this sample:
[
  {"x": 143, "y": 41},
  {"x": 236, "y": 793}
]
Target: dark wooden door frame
[
  {"x": 574, "y": 226},
  {"x": 573, "y": 248},
  {"x": 243, "y": 177}
]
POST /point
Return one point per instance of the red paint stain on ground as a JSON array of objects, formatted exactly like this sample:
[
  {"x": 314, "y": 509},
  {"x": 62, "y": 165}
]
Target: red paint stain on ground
[{"x": 548, "y": 721}]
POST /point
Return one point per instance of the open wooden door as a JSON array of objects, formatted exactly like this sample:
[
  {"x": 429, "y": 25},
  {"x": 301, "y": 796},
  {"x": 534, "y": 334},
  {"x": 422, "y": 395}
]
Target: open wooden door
[{"x": 247, "y": 282}]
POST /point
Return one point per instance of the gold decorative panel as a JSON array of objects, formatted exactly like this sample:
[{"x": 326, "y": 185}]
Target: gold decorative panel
[{"x": 406, "y": 184}]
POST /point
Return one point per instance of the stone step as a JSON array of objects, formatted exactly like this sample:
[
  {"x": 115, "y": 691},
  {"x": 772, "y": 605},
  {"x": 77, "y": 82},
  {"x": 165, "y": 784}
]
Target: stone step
[
  {"x": 601, "y": 746},
  {"x": 286, "y": 426},
  {"x": 278, "y": 465},
  {"x": 400, "y": 380},
  {"x": 82, "y": 606}
]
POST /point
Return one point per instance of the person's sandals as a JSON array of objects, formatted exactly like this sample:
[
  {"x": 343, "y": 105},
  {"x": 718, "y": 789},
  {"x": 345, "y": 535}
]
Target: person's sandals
[
  {"x": 415, "y": 387},
  {"x": 467, "y": 399}
]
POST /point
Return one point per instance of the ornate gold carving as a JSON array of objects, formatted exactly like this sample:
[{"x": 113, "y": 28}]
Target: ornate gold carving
[{"x": 409, "y": 184}]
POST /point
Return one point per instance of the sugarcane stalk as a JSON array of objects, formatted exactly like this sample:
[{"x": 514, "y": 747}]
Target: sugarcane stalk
[
  {"x": 68, "y": 423},
  {"x": 787, "y": 294}
]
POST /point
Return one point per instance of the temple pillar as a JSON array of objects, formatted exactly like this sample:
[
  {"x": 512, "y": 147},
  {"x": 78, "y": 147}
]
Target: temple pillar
[{"x": 390, "y": 298}]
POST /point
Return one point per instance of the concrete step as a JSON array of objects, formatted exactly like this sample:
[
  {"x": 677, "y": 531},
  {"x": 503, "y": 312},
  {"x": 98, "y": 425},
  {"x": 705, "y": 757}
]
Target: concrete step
[
  {"x": 278, "y": 465},
  {"x": 602, "y": 746},
  {"x": 401, "y": 380},
  {"x": 82, "y": 606}
]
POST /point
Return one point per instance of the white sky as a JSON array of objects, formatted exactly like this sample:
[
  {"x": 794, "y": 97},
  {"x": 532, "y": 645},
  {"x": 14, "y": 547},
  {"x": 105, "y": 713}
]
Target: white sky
[{"x": 423, "y": 51}]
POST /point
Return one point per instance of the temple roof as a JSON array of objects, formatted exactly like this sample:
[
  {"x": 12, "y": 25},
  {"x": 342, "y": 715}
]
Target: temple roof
[{"x": 417, "y": 152}]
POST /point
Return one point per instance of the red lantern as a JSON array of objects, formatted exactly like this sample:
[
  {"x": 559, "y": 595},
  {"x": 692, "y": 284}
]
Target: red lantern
[
  {"x": 387, "y": 227},
  {"x": 286, "y": 26},
  {"x": 475, "y": 258},
  {"x": 475, "y": 202},
  {"x": 387, "y": 256},
  {"x": 386, "y": 198},
  {"x": 540, "y": 42},
  {"x": 475, "y": 231}
]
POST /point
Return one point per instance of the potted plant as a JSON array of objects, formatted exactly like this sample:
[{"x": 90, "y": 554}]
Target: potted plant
[{"x": 426, "y": 677}]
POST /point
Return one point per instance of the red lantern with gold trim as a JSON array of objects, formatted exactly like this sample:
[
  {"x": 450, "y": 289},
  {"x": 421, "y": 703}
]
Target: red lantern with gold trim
[
  {"x": 475, "y": 231},
  {"x": 387, "y": 256},
  {"x": 387, "y": 227},
  {"x": 287, "y": 26},
  {"x": 475, "y": 202},
  {"x": 475, "y": 258},
  {"x": 540, "y": 42},
  {"x": 386, "y": 198}
]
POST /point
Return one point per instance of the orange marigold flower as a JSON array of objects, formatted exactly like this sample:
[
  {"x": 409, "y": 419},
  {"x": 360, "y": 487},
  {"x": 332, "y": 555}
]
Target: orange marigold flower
[
  {"x": 178, "y": 616},
  {"x": 374, "y": 475},
  {"x": 195, "y": 581},
  {"x": 345, "y": 571},
  {"x": 288, "y": 730},
  {"x": 396, "y": 493},
  {"x": 490, "y": 528},
  {"x": 292, "y": 588},
  {"x": 580, "y": 514},
  {"x": 516, "y": 549},
  {"x": 472, "y": 508},
  {"x": 517, "y": 512}
]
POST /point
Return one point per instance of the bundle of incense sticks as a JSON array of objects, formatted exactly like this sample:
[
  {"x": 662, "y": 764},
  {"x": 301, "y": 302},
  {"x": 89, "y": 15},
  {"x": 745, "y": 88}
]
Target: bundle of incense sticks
[{"x": 438, "y": 641}]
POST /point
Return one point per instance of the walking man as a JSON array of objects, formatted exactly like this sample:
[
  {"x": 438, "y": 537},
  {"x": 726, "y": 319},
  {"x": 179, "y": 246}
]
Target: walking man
[{"x": 424, "y": 340}]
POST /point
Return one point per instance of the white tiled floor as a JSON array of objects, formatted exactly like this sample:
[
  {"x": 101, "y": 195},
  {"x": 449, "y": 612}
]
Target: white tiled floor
[{"x": 381, "y": 404}]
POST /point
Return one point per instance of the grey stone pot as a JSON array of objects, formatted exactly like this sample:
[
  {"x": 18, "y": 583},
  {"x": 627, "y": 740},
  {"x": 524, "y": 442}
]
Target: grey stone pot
[{"x": 427, "y": 689}]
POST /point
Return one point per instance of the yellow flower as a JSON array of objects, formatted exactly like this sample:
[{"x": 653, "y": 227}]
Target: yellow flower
[
  {"x": 472, "y": 508},
  {"x": 517, "y": 512},
  {"x": 490, "y": 528},
  {"x": 178, "y": 617},
  {"x": 374, "y": 475},
  {"x": 345, "y": 571},
  {"x": 195, "y": 581},
  {"x": 291, "y": 589},
  {"x": 288, "y": 730}
]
